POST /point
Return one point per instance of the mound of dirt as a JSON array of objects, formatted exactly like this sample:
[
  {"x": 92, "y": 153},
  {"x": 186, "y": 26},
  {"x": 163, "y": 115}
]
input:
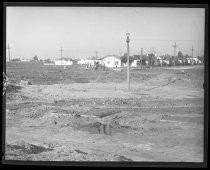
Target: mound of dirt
[{"x": 12, "y": 88}]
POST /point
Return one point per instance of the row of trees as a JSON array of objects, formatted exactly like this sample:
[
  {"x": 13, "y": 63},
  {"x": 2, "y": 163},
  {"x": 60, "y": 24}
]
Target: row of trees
[
  {"x": 180, "y": 56},
  {"x": 150, "y": 58}
]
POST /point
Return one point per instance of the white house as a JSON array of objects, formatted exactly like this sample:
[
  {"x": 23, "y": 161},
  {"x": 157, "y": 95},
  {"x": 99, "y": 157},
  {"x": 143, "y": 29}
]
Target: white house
[
  {"x": 180, "y": 61},
  {"x": 82, "y": 61},
  {"x": 111, "y": 61},
  {"x": 199, "y": 62},
  {"x": 160, "y": 60},
  {"x": 196, "y": 60},
  {"x": 134, "y": 63},
  {"x": 25, "y": 60},
  {"x": 166, "y": 62},
  {"x": 63, "y": 62},
  {"x": 189, "y": 61},
  {"x": 88, "y": 61}
]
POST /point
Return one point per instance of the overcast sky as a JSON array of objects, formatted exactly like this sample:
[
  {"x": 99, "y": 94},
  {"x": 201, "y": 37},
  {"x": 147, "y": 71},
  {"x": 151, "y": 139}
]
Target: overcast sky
[{"x": 80, "y": 31}]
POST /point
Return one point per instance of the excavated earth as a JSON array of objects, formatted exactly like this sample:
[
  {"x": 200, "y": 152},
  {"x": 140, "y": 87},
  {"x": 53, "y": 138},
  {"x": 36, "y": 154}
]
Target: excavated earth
[{"x": 159, "y": 120}]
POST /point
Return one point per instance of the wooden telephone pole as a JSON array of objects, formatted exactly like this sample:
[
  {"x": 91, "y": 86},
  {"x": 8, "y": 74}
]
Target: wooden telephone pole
[
  {"x": 192, "y": 54},
  {"x": 141, "y": 57},
  {"x": 96, "y": 54},
  {"x": 174, "y": 52},
  {"x": 61, "y": 56},
  {"x": 120, "y": 54},
  {"x": 128, "y": 69}
]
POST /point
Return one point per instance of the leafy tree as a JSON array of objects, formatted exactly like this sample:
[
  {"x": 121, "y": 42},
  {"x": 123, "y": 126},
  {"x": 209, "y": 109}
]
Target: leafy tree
[
  {"x": 151, "y": 60},
  {"x": 48, "y": 61},
  {"x": 124, "y": 58},
  {"x": 187, "y": 56},
  {"x": 35, "y": 58},
  {"x": 180, "y": 55},
  {"x": 16, "y": 59}
]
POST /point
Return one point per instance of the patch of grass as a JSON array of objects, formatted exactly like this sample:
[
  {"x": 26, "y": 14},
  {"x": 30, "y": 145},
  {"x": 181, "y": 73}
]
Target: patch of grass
[{"x": 82, "y": 80}]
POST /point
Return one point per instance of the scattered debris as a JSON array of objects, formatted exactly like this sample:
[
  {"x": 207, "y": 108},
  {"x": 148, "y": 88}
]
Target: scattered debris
[
  {"x": 123, "y": 158},
  {"x": 81, "y": 152},
  {"x": 25, "y": 83},
  {"x": 28, "y": 148}
]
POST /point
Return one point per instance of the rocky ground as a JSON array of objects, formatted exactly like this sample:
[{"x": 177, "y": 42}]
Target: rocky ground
[{"x": 160, "y": 119}]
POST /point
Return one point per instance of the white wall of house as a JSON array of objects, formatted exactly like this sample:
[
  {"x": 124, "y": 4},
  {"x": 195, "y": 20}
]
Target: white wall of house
[
  {"x": 88, "y": 61},
  {"x": 166, "y": 62},
  {"x": 63, "y": 62},
  {"x": 84, "y": 61},
  {"x": 134, "y": 63},
  {"x": 111, "y": 62},
  {"x": 196, "y": 60},
  {"x": 188, "y": 61},
  {"x": 81, "y": 61},
  {"x": 25, "y": 60},
  {"x": 180, "y": 61},
  {"x": 199, "y": 61},
  {"x": 160, "y": 61}
]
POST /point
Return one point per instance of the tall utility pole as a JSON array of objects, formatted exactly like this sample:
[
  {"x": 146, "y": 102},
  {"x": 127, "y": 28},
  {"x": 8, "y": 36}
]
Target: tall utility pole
[
  {"x": 174, "y": 52},
  {"x": 9, "y": 53},
  {"x": 141, "y": 57},
  {"x": 128, "y": 49},
  {"x": 61, "y": 55},
  {"x": 96, "y": 54},
  {"x": 192, "y": 54}
]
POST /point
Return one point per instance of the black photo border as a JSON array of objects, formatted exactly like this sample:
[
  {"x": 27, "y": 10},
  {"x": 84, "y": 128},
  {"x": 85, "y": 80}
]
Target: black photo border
[{"x": 113, "y": 164}]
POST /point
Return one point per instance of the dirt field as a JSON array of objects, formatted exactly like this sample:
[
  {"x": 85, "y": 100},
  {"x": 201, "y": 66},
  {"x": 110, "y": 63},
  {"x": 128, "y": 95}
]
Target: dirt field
[{"x": 86, "y": 115}]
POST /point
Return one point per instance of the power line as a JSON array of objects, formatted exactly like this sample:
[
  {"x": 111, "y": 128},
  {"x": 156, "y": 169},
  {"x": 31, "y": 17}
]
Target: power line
[
  {"x": 9, "y": 53},
  {"x": 96, "y": 54},
  {"x": 128, "y": 51},
  {"x": 175, "y": 46},
  {"x": 141, "y": 57},
  {"x": 192, "y": 51},
  {"x": 61, "y": 50}
]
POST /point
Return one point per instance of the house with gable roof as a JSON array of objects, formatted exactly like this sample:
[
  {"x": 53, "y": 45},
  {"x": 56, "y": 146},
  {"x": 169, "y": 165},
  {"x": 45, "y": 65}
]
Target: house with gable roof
[{"x": 111, "y": 61}]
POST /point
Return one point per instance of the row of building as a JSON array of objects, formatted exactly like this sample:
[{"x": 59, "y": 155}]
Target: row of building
[{"x": 116, "y": 61}]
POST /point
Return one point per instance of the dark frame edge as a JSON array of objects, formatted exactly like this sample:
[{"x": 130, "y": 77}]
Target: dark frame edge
[{"x": 108, "y": 164}]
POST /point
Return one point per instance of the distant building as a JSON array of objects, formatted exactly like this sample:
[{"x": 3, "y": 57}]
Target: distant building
[
  {"x": 88, "y": 62},
  {"x": 134, "y": 63},
  {"x": 197, "y": 61},
  {"x": 16, "y": 60},
  {"x": 63, "y": 62},
  {"x": 25, "y": 60},
  {"x": 166, "y": 62},
  {"x": 111, "y": 61},
  {"x": 159, "y": 60},
  {"x": 49, "y": 62},
  {"x": 188, "y": 61}
]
